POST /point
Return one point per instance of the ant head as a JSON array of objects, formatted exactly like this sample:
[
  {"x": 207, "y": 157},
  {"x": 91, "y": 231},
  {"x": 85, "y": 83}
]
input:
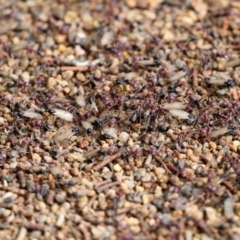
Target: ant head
[
  {"x": 78, "y": 93},
  {"x": 90, "y": 99},
  {"x": 229, "y": 83},
  {"x": 20, "y": 114},
  {"x": 51, "y": 111},
  {"x": 89, "y": 131},
  {"x": 102, "y": 152}
]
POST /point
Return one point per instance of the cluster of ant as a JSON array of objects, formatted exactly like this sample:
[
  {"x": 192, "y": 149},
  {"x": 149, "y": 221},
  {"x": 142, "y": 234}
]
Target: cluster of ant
[{"x": 142, "y": 103}]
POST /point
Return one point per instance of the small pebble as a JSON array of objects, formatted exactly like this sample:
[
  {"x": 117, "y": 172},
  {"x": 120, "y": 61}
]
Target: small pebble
[
  {"x": 60, "y": 198},
  {"x": 51, "y": 83},
  {"x": 56, "y": 171},
  {"x": 60, "y": 220},
  {"x": 132, "y": 221},
  {"x": 9, "y": 197},
  {"x": 60, "y": 38},
  {"x": 67, "y": 74},
  {"x": 117, "y": 168},
  {"x": 145, "y": 199},
  {"x": 123, "y": 137},
  {"x": 13, "y": 165},
  {"x": 62, "y": 48}
]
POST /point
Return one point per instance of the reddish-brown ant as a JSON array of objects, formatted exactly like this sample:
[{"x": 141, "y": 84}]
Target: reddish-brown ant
[
  {"x": 179, "y": 45},
  {"x": 47, "y": 64},
  {"x": 25, "y": 141},
  {"x": 6, "y": 101},
  {"x": 70, "y": 108},
  {"x": 137, "y": 151},
  {"x": 65, "y": 28},
  {"x": 152, "y": 82},
  {"x": 204, "y": 133},
  {"x": 156, "y": 41},
  {"x": 100, "y": 79},
  {"x": 211, "y": 188},
  {"x": 34, "y": 123},
  {"x": 138, "y": 112},
  {"x": 206, "y": 59},
  {"x": 112, "y": 150},
  {"x": 162, "y": 72},
  {"x": 171, "y": 97},
  {"x": 222, "y": 55},
  {"x": 121, "y": 100},
  {"x": 48, "y": 96},
  {"x": 112, "y": 122},
  {"x": 107, "y": 99},
  {"x": 36, "y": 100},
  {"x": 24, "y": 85},
  {"x": 41, "y": 79}
]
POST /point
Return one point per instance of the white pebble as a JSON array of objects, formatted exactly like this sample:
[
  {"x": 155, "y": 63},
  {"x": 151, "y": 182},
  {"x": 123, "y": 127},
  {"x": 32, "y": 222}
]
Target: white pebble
[
  {"x": 22, "y": 233},
  {"x": 13, "y": 165},
  {"x": 123, "y": 137}
]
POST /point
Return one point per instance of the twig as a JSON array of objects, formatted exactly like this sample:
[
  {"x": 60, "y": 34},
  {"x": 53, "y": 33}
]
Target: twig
[
  {"x": 203, "y": 226},
  {"x": 163, "y": 164},
  {"x": 229, "y": 186},
  {"x": 22, "y": 233},
  {"x": 89, "y": 166},
  {"x": 85, "y": 232},
  {"x": 145, "y": 230},
  {"x": 106, "y": 186},
  {"x": 195, "y": 76},
  {"x": 97, "y": 185},
  {"x": 31, "y": 153},
  {"x": 75, "y": 68},
  {"x": 232, "y": 47},
  {"x": 181, "y": 229},
  {"x": 35, "y": 226},
  {"x": 107, "y": 160}
]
